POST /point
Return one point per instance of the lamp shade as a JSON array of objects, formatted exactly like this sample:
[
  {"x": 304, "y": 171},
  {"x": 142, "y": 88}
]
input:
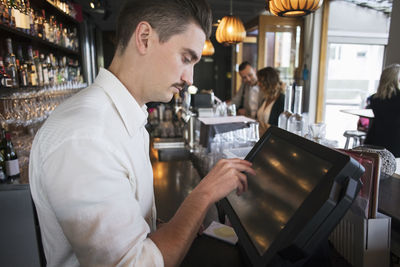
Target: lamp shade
[
  {"x": 208, "y": 49},
  {"x": 293, "y": 8},
  {"x": 230, "y": 30}
]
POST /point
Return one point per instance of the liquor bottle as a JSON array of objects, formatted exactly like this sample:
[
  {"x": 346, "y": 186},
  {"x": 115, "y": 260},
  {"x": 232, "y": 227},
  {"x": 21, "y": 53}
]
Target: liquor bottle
[
  {"x": 58, "y": 34},
  {"x": 32, "y": 73},
  {"x": 72, "y": 70},
  {"x": 45, "y": 70},
  {"x": 46, "y": 27},
  {"x": 5, "y": 80},
  {"x": 74, "y": 39},
  {"x": 55, "y": 31},
  {"x": 65, "y": 38},
  {"x": 19, "y": 54},
  {"x": 61, "y": 40},
  {"x": 79, "y": 76},
  {"x": 53, "y": 69},
  {"x": 50, "y": 35},
  {"x": 11, "y": 161},
  {"x": 16, "y": 11},
  {"x": 23, "y": 75},
  {"x": 66, "y": 69},
  {"x": 297, "y": 121},
  {"x": 60, "y": 71},
  {"x": 6, "y": 14},
  {"x": 35, "y": 23},
  {"x": 10, "y": 5},
  {"x": 283, "y": 119},
  {"x": 57, "y": 70},
  {"x": 25, "y": 16},
  {"x": 40, "y": 27},
  {"x": 39, "y": 69},
  {"x": 50, "y": 71},
  {"x": 31, "y": 15},
  {"x": 11, "y": 68}
]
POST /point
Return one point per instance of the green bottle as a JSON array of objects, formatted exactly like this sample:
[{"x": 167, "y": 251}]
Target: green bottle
[{"x": 11, "y": 162}]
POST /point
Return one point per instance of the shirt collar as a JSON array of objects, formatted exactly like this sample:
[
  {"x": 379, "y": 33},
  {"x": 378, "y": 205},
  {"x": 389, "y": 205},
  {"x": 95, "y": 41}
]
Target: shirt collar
[{"x": 132, "y": 115}]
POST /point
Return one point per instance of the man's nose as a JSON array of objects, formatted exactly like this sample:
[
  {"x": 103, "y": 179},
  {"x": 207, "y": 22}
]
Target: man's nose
[{"x": 187, "y": 75}]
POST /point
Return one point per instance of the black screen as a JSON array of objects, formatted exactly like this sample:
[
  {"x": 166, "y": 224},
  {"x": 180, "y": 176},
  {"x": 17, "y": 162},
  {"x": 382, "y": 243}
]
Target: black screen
[{"x": 286, "y": 174}]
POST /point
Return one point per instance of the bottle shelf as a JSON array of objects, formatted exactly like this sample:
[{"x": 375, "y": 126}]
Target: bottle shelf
[
  {"x": 25, "y": 36},
  {"x": 61, "y": 12}
]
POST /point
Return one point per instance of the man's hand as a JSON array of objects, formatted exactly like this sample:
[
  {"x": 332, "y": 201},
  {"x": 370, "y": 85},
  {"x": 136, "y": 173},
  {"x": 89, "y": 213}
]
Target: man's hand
[
  {"x": 175, "y": 237},
  {"x": 226, "y": 176}
]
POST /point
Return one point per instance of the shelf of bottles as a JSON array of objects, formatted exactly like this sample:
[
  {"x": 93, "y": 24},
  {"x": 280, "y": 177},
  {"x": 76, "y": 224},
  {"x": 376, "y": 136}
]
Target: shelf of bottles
[
  {"x": 30, "y": 89},
  {"x": 66, "y": 8},
  {"x": 39, "y": 69},
  {"x": 18, "y": 18},
  {"x": 36, "y": 70}
]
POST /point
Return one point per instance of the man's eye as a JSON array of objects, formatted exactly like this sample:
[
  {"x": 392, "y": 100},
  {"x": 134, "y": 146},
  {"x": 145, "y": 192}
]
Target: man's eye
[{"x": 186, "y": 60}]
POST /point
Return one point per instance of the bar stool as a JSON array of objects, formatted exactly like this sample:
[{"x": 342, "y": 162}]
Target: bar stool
[{"x": 358, "y": 138}]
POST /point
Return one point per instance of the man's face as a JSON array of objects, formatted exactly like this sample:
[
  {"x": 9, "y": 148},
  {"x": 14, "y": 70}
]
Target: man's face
[
  {"x": 172, "y": 64},
  {"x": 248, "y": 75}
]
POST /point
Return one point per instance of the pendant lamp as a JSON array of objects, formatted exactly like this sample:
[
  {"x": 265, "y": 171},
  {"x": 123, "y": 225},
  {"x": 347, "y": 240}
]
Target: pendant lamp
[
  {"x": 292, "y": 8},
  {"x": 208, "y": 49},
  {"x": 230, "y": 30}
]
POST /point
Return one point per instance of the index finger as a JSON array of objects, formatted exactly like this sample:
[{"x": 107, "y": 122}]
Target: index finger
[
  {"x": 244, "y": 166},
  {"x": 240, "y": 161}
]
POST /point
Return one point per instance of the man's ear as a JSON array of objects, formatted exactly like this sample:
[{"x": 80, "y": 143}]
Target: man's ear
[{"x": 142, "y": 36}]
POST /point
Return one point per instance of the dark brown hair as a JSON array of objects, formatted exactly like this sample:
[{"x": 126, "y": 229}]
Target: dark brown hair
[
  {"x": 167, "y": 17},
  {"x": 243, "y": 65},
  {"x": 270, "y": 84}
]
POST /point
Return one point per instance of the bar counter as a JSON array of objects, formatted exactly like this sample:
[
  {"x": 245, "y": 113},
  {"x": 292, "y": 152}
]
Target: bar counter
[{"x": 177, "y": 172}]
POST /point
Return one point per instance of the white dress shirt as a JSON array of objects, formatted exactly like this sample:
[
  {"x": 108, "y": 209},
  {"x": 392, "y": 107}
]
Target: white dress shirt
[
  {"x": 248, "y": 98},
  {"x": 92, "y": 181}
]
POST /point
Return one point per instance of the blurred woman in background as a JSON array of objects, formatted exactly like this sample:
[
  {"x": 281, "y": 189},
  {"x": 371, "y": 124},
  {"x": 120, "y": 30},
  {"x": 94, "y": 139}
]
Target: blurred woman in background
[
  {"x": 385, "y": 103},
  {"x": 271, "y": 90}
]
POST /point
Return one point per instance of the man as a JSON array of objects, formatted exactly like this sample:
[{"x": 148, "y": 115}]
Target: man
[
  {"x": 247, "y": 99},
  {"x": 90, "y": 173}
]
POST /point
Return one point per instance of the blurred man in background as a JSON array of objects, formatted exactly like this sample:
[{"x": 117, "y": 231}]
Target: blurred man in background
[{"x": 247, "y": 99}]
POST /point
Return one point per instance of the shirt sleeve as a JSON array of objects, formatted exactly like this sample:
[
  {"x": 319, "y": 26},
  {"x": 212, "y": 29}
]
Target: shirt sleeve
[
  {"x": 237, "y": 99},
  {"x": 87, "y": 186}
]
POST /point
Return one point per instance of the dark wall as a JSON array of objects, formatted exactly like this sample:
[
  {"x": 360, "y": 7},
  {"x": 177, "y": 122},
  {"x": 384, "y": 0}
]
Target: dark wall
[{"x": 215, "y": 72}]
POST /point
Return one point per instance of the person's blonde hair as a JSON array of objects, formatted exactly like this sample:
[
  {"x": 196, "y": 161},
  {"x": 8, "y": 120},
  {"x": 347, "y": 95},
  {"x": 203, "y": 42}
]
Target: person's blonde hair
[{"x": 389, "y": 82}]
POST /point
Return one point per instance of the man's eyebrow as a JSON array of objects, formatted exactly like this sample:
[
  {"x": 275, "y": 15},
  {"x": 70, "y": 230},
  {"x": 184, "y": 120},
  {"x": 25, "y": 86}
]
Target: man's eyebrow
[{"x": 193, "y": 54}]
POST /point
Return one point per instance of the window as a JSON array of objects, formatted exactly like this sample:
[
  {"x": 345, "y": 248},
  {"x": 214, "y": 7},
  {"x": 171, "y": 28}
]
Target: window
[{"x": 350, "y": 80}]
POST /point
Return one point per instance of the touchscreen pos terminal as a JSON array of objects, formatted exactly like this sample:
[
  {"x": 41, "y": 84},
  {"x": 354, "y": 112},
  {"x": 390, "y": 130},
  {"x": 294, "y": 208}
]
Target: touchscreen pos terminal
[{"x": 300, "y": 192}]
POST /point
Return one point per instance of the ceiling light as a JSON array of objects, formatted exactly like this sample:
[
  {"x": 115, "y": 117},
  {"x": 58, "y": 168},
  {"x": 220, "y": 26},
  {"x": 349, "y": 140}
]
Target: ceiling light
[
  {"x": 230, "y": 29},
  {"x": 292, "y": 8},
  {"x": 208, "y": 49}
]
